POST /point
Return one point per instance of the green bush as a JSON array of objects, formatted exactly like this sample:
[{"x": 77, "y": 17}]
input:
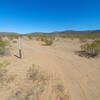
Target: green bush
[
  {"x": 48, "y": 41},
  {"x": 91, "y": 48},
  {"x": 30, "y": 36},
  {"x": 42, "y": 38},
  {"x": 12, "y": 36}
]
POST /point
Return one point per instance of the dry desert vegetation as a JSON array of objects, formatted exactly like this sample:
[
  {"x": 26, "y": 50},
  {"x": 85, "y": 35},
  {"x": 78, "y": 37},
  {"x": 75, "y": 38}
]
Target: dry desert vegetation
[{"x": 55, "y": 68}]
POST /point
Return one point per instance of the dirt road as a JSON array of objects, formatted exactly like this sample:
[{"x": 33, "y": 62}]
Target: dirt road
[{"x": 80, "y": 76}]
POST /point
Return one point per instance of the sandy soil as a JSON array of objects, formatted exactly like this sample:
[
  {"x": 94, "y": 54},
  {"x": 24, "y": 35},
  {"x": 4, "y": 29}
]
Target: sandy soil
[{"x": 80, "y": 76}]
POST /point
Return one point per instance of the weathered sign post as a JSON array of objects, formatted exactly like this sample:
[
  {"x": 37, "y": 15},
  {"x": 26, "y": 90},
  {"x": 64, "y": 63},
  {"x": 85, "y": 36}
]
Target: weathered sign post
[{"x": 20, "y": 47}]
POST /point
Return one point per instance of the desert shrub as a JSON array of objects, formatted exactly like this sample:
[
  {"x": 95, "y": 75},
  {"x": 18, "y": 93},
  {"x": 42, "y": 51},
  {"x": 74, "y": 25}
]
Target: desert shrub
[
  {"x": 91, "y": 48},
  {"x": 82, "y": 40},
  {"x": 63, "y": 36},
  {"x": 42, "y": 38},
  {"x": 2, "y": 44},
  {"x": 3, "y": 48},
  {"x": 35, "y": 75},
  {"x": 30, "y": 36},
  {"x": 48, "y": 40},
  {"x": 80, "y": 36},
  {"x": 12, "y": 36}
]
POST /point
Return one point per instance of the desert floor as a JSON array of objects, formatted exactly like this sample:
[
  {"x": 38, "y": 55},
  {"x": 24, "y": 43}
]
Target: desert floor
[{"x": 80, "y": 76}]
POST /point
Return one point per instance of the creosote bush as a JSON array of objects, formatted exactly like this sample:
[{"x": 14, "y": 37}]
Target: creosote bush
[
  {"x": 10, "y": 36},
  {"x": 30, "y": 36},
  {"x": 91, "y": 48},
  {"x": 3, "y": 48},
  {"x": 48, "y": 40}
]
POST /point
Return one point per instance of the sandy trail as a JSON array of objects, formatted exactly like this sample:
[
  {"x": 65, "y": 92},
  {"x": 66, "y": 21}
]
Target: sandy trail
[{"x": 80, "y": 76}]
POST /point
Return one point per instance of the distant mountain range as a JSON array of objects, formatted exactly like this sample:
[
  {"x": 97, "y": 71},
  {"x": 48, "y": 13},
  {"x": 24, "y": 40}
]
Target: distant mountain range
[
  {"x": 60, "y": 32},
  {"x": 8, "y": 33},
  {"x": 77, "y": 32}
]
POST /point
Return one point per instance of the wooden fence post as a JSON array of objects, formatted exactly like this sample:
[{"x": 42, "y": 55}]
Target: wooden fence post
[{"x": 20, "y": 47}]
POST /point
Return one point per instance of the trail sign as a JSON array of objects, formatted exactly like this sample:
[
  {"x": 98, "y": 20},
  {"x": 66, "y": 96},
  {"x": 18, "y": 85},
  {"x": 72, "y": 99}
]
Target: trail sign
[{"x": 20, "y": 46}]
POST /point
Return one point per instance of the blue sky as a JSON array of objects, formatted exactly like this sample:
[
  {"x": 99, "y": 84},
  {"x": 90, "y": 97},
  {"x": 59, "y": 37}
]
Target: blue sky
[{"x": 24, "y": 16}]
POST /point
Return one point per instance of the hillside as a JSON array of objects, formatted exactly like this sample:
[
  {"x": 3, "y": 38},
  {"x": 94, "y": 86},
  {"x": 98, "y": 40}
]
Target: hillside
[
  {"x": 60, "y": 32},
  {"x": 77, "y": 32}
]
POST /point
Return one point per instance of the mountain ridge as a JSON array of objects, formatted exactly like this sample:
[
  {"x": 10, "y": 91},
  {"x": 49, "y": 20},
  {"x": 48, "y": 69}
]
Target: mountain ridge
[{"x": 59, "y": 32}]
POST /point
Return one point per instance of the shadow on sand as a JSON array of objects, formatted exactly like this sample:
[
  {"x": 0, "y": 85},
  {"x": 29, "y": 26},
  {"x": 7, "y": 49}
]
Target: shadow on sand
[{"x": 17, "y": 56}]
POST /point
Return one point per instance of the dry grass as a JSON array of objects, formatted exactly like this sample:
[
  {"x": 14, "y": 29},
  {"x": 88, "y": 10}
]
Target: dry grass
[
  {"x": 4, "y": 77},
  {"x": 4, "y": 48},
  {"x": 35, "y": 75},
  {"x": 34, "y": 90},
  {"x": 37, "y": 87}
]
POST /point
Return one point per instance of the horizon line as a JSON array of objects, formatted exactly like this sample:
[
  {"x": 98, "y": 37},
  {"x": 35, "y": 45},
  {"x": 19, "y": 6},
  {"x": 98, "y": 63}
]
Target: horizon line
[{"x": 49, "y": 32}]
